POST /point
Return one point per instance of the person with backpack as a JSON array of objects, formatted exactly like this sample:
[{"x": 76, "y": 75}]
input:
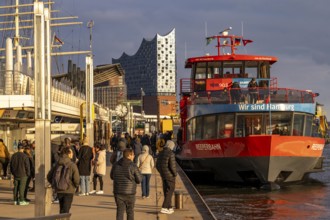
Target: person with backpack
[
  {"x": 64, "y": 178},
  {"x": 85, "y": 157}
]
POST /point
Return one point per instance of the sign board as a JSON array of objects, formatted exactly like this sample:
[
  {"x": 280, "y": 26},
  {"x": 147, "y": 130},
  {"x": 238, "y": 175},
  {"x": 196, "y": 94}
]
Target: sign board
[
  {"x": 134, "y": 102},
  {"x": 66, "y": 127},
  {"x": 9, "y": 114}
]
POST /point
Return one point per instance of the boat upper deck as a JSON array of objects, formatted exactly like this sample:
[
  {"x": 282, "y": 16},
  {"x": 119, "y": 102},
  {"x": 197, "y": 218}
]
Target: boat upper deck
[{"x": 212, "y": 92}]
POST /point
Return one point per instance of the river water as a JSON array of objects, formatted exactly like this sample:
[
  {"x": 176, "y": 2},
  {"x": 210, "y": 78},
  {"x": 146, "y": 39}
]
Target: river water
[{"x": 309, "y": 200}]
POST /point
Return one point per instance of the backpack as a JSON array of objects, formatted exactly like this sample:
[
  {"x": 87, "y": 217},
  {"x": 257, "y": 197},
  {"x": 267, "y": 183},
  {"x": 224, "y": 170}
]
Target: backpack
[{"x": 61, "y": 178}]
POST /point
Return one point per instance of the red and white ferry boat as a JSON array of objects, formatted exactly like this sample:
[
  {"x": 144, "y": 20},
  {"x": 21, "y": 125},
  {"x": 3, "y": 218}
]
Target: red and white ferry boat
[{"x": 238, "y": 132}]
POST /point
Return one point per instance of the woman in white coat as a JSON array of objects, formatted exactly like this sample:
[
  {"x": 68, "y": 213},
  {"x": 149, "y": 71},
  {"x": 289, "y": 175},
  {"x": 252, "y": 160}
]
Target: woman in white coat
[
  {"x": 145, "y": 163},
  {"x": 99, "y": 169}
]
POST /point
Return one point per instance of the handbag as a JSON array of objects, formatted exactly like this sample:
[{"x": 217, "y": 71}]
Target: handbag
[{"x": 143, "y": 162}]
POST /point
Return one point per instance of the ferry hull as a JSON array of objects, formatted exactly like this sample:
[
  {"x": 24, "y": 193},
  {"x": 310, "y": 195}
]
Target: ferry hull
[
  {"x": 254, "y": 169},
  {"x": 259, "y": 159}
]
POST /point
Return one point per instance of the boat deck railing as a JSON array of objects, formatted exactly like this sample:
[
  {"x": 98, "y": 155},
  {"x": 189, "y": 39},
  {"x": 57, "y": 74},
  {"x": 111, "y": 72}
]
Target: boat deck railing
[
  {"x": 248, "y": 96},
  {"x": 223, "y": 93}
]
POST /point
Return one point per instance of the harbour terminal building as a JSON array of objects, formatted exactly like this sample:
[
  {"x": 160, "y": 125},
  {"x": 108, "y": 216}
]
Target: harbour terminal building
[{"x": 150, "y": 75}]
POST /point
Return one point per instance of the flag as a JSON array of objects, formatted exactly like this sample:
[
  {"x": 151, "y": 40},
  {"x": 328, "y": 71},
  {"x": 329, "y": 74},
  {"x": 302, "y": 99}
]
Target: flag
[
  {"x": 58, "y": 40},
  {"x": 245, "y": 41},
  {"x": 237, "y": 41},
  {"x": 209, "y": 40}
]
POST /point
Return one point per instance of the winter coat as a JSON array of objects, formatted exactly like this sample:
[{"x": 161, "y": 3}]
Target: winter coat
[
  {"x": 137, "y": 148},
  {"x": 145, "y": 162},
  {"x": 118, "y": 154},
  {"x": 125, "y": 176},
  {"x": 20, "y": 165},
  {"x": 4, "y": 153},
  {"x": 73, "y": 173},
  {"x": 55, "y": 153},
  {"x": 85, "y": 157},
  {"x": 166, "y": 164},
  {"x": 100, "y": 163}
]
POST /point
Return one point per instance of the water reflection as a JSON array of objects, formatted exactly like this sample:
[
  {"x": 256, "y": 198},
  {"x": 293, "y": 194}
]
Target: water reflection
[{"x": 310, "y": 200}]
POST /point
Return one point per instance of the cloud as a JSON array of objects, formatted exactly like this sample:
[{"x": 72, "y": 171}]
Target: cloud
[{"x": 295, "y": 31}]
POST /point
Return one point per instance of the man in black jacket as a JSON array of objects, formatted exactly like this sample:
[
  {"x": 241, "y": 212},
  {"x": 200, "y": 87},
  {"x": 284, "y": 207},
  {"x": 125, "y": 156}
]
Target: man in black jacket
[
  {"x": 166, "y": 167},
  {"x": 20, "y": 168},
  {"x": 85, "y": 157},
  {"x": 125, "y": 176}
]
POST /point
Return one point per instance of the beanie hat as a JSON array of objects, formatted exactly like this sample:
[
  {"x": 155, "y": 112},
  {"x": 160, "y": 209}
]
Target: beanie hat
[
  {"x": 20, "y": 146},
  {"x": 170, "y": 144},
  {"x": 145, "y": 148}
]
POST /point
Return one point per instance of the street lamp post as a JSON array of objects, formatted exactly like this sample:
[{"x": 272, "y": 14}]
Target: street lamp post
[
  {"x": 89, "y": 100},
  {"x": 142, "y": 94}
]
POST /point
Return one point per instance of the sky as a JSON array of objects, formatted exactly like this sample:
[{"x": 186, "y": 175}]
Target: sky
[{"x": 295, "y": 31}]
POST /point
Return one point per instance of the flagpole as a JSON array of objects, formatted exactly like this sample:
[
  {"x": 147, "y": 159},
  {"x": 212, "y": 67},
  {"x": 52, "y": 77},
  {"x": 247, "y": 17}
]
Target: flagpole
[
  {"x": 242, "y": 28},
  {"x": 242, "y": 24}
]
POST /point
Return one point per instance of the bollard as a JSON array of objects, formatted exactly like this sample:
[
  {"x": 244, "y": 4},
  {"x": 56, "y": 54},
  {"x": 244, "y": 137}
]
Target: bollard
[{"x": 178, "y": 199}]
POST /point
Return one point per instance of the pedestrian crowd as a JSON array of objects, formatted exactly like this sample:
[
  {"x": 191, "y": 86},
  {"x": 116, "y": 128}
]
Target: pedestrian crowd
[{"x": 76, "y": 166}]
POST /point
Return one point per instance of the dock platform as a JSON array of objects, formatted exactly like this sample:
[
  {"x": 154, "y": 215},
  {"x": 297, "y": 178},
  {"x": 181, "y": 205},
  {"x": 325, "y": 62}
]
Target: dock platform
[{"x": 104, "y": 207}]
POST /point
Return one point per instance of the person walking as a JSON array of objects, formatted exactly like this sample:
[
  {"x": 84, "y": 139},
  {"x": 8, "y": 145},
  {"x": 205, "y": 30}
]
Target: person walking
[
  {"x": 137, "y": 147},
  {"x": 166, "y": 167},
  {"x": 65, "y": 197},
  {"x": 145, "y": 163},
  {"x": 85, "y": 157},
  {"x": 125, "y": 176},
  {"x": 27, "y": 151},
  {"x": 99, "y": 168},
  {"x": 4, "y": 159},
  {"x": 20, "y": 168},
  {"x": 118, "y": 153}
]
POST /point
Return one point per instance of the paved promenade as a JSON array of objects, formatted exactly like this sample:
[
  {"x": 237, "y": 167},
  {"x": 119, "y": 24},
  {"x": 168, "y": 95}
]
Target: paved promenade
[{"x": 99, "y": 207}]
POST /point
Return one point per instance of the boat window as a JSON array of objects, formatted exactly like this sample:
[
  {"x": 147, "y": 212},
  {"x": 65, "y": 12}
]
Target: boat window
[
  {"x": 190, "y": 129},
  {"x": 308, "y": 126},
  {"x": 280, "y": 123},
  {"x": 198, "y": 128},
  {"x": 209, "y": 127},
  {"x": 225, "y": 126},
  {"x": 249, "y": 125},
  {"x": 298, "y": 125},
  {"x": 200, "y": 72}
]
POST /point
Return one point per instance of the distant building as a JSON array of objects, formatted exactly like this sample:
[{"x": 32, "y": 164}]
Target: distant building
[
  {"x": 152, "y": 68},
  {"x": 109, "y": 85}
]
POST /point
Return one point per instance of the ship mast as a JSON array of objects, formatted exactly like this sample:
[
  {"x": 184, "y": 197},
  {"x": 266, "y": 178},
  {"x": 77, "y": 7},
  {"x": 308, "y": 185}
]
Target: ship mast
[{"x": 231, "y": 41}]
